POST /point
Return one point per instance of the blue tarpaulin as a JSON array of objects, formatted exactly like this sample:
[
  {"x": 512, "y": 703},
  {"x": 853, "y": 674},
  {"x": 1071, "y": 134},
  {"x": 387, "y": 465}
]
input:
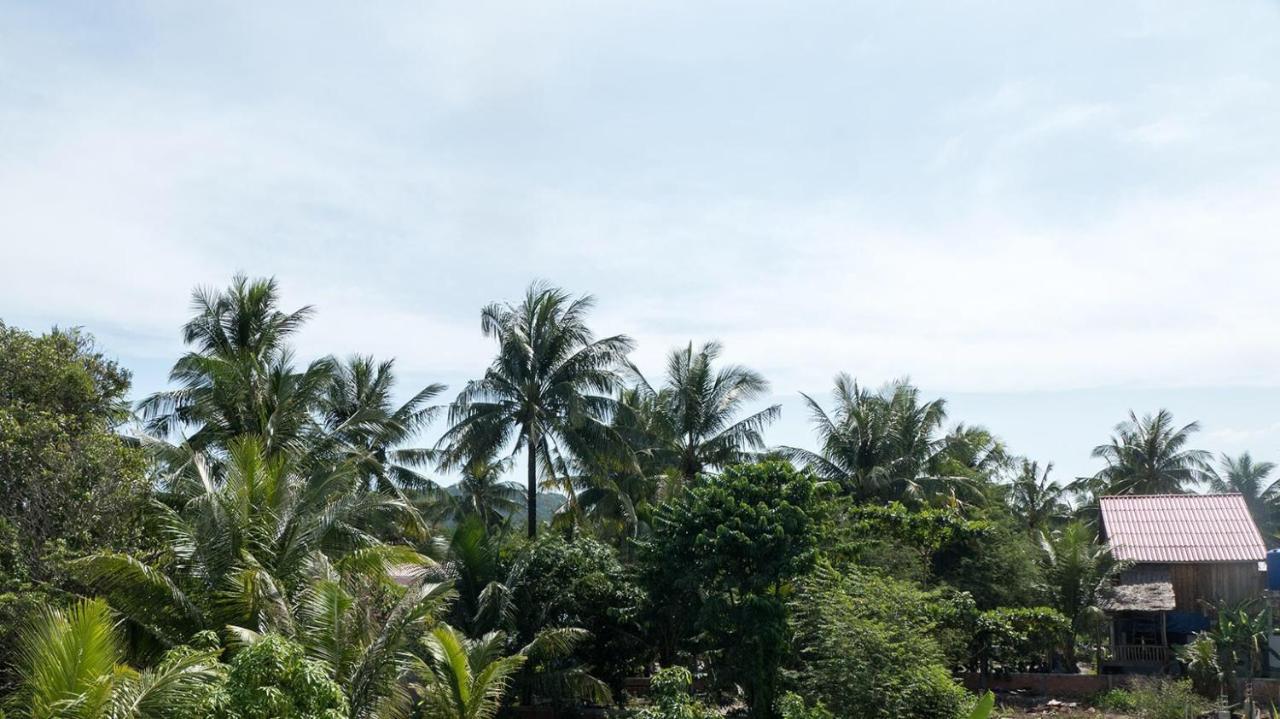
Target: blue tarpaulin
[{"x": 1186, "y": 622}]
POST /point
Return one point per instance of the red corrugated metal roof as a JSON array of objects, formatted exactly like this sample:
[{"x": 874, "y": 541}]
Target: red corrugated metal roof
[{"x": 1181, "y": 528}]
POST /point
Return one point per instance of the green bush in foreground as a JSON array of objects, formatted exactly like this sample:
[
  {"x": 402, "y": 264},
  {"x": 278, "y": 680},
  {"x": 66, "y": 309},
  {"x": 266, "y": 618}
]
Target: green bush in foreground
[
  {"x": 272, "y": 679},
  {"x": 793, "y": 706},
  {"x": 866, "y": 650},
  {"x": 1161, "y": 699},
  {"x": 669, "y": 692},
  {"x": 1115, "y": 700}
]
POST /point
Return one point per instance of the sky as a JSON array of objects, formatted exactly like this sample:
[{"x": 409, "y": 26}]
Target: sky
[{"x": 1048, "y": 212}]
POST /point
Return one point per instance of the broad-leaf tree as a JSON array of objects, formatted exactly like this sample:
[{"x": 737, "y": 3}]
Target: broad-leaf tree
[
  {"x": 724, "y": 552},
  {"x": 70, "y": 484}
]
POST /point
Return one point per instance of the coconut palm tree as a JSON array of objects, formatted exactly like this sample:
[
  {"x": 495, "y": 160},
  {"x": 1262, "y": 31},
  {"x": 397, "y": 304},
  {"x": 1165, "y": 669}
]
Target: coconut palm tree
[
  {"x": 482, "y": 491},
  {"x": 1074, "y": 565},
  {"x": 361, "y": 423},
  {"x": 1036, "y": 499},
  {"x": 241, "y": 545},
  {"x": 546, "y": 390},
  {"x": 613, "y": 486},
  {"x": 465, "y": 678},
  {"x": 889, "y": 445},
  {"x": 239, "y": 378},
  {"x": 696, "y": 411},
  {"x": 1241, "y": 474},
  {"x": 366, "y": 651},
  {"x": 854, "y": 445},
  {"x": 71, "y": 666},
  {"x": 1150, "y": 456}
]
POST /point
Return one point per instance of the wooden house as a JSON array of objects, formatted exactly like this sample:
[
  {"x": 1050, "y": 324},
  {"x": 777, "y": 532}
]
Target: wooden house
[{"x": 1180, "y": 554}]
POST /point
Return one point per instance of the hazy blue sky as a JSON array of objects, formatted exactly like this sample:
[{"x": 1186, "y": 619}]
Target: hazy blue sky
[{"x": 1048, "y": 212}]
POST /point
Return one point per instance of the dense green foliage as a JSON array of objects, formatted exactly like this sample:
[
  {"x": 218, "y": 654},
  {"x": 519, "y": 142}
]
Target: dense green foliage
[
  {"x": 669, "y": 697},
  {"x": 743, "y": 536},
  {"x": 71, "y": 667},
  {"x": 270, "y": 536},
  {"x": 866, "y": 648},
  {"x": 272, "y": 679},
  {"x": 580, "y": 583},
  {"x": 69, "y": 484}
]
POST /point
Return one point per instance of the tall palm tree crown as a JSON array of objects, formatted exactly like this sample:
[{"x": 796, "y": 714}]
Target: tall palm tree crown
[
  {"x": 239, "y": 378},
  {"x": 363, "y": 424},
  {"x": 1150, "y": 456},
  {"x": 547, "y": 390},
  {"x": 696, "y": 411},
  {"x": 483, "y": 492},
  {"x": 1035, "y": 498},
  {"x": 1241, "y": 474},
  {"x": 889, "y": 444}
]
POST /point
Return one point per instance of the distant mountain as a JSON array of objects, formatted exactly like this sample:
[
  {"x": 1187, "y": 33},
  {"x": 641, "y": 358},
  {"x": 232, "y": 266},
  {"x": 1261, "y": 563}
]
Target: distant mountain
[{"x": 548, "y": 503}]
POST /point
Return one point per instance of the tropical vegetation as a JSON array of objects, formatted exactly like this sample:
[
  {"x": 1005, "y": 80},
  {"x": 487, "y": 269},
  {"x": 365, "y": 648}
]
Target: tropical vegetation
[{"x": 278, "y": 536}]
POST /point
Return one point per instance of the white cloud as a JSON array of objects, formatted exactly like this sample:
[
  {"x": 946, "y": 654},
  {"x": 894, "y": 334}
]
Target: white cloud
[{"x": 846, "y": 202}]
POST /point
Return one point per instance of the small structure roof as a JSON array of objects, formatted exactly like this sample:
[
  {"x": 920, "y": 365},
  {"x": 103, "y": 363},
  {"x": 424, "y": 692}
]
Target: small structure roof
[
  {"x": 1140, "y": 589},
  {"x": 1181, "y": 528}
]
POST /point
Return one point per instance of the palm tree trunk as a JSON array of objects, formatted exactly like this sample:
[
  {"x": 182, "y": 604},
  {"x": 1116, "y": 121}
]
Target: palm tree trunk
[{"x": 532, "y": 499}]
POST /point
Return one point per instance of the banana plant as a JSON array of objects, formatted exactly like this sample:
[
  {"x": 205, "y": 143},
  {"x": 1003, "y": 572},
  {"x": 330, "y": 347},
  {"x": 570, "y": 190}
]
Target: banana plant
[{"x": 984, "y": 707}]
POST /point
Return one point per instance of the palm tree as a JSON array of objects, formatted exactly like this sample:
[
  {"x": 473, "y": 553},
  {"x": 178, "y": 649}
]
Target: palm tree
[
  {"x": 1149, "y": 456},
  {"x": 853, "y": 439},
  {"x": 241, "y": 544},
  {"x": 614, "y": 485},
  {"x": 360, "y": 419},
  {"x": 71, "y": 667},
  {"x": 697, "y": 407},
  {"x": 1074, "y": 565},
  {"x": 1035, "y": 498},
  {"x": 888, "y": 445},
  {"x": 1253, "y": 480},
  {"x": 466, "y": 678},
  {"x": 239, "y": 377},
  {"x": 365, "y": 651},
  {"x": 546, "y": 389},
  {"x": 482, "y": 491}
]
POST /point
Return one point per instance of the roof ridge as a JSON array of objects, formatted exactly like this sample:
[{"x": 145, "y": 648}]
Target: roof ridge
[{"x": 1196, "y": 495}]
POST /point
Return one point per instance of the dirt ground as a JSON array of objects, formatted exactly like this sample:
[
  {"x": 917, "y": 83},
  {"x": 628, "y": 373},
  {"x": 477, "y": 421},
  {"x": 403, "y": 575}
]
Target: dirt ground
[{"x": 1065, "y": 710}]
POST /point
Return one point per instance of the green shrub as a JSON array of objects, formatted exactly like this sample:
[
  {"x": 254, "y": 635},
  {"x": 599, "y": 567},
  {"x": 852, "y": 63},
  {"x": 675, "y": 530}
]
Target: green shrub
[
  {"x": 1017, "y": 639},
  {"x": 866, "y": 649},
  {"x": 793, "y": 706},
  {"x": 271, "y": 679},
  {"x": 557, "y": 582},
  {"x": 670, "y": 698},
  {"x": 1115, "y": 700},
  {"x": 1200, "y": 657},
  {"x": 1156, "y": 699}
]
